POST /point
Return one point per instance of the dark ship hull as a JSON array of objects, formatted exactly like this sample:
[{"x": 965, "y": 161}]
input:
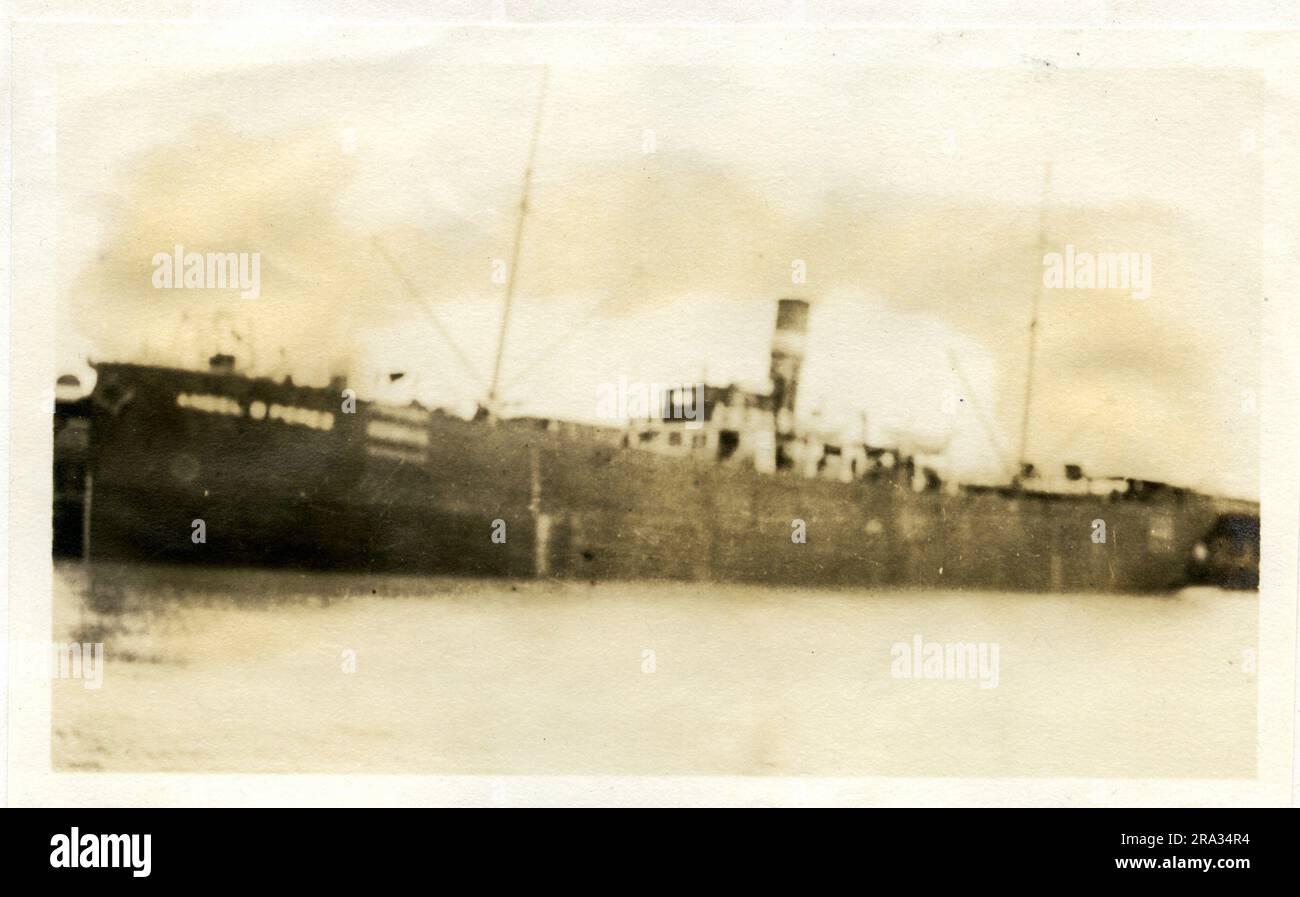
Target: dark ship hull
[{"x": 281, "y": 475}]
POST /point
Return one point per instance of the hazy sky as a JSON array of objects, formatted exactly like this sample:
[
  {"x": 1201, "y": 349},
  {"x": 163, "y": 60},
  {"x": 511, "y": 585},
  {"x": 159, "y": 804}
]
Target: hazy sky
[{"x": 916, "y": 198}]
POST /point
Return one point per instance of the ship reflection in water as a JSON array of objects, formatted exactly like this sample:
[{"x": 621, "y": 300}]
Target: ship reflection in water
[{"x": 219, "y": 670}]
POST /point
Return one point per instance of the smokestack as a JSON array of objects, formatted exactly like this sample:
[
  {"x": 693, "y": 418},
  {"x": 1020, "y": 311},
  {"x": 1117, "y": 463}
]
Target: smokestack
[{"x": 787, "y": 358}]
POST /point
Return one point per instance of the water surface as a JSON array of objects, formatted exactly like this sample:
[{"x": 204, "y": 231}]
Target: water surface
[{"x": 213, "y": 670}]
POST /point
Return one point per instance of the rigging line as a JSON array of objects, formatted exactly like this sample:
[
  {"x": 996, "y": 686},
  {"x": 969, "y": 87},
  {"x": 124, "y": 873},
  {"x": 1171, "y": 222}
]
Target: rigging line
[
  {"x": 519, "y": 237},
  {"x": 984, "y": 420},
  {"x": 559, "y": 341},
  {"x": 423, "y": 306},
  {"x": 1033, "y": 325}
]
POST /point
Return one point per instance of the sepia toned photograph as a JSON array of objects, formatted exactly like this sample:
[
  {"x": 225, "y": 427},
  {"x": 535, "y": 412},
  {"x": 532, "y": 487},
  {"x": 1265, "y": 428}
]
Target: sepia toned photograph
[{"x": 500, "y": 401}]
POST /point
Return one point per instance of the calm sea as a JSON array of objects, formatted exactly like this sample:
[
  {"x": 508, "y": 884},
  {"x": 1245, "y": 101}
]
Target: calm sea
[{"x": 272, "y": 671}]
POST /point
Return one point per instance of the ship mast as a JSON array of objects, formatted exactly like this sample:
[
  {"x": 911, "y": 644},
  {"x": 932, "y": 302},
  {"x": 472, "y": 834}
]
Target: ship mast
[
  {"x": 1033, "y": 329},
  {"x": 514, "y": 252}
]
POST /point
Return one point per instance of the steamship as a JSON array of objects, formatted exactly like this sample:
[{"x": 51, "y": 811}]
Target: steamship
[{"x": 215, "y": 467}]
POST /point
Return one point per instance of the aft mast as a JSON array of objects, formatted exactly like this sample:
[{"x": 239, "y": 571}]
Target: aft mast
[
  {"x": 1021, "y": 463},
  {"x": 512, "y": 271}
]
